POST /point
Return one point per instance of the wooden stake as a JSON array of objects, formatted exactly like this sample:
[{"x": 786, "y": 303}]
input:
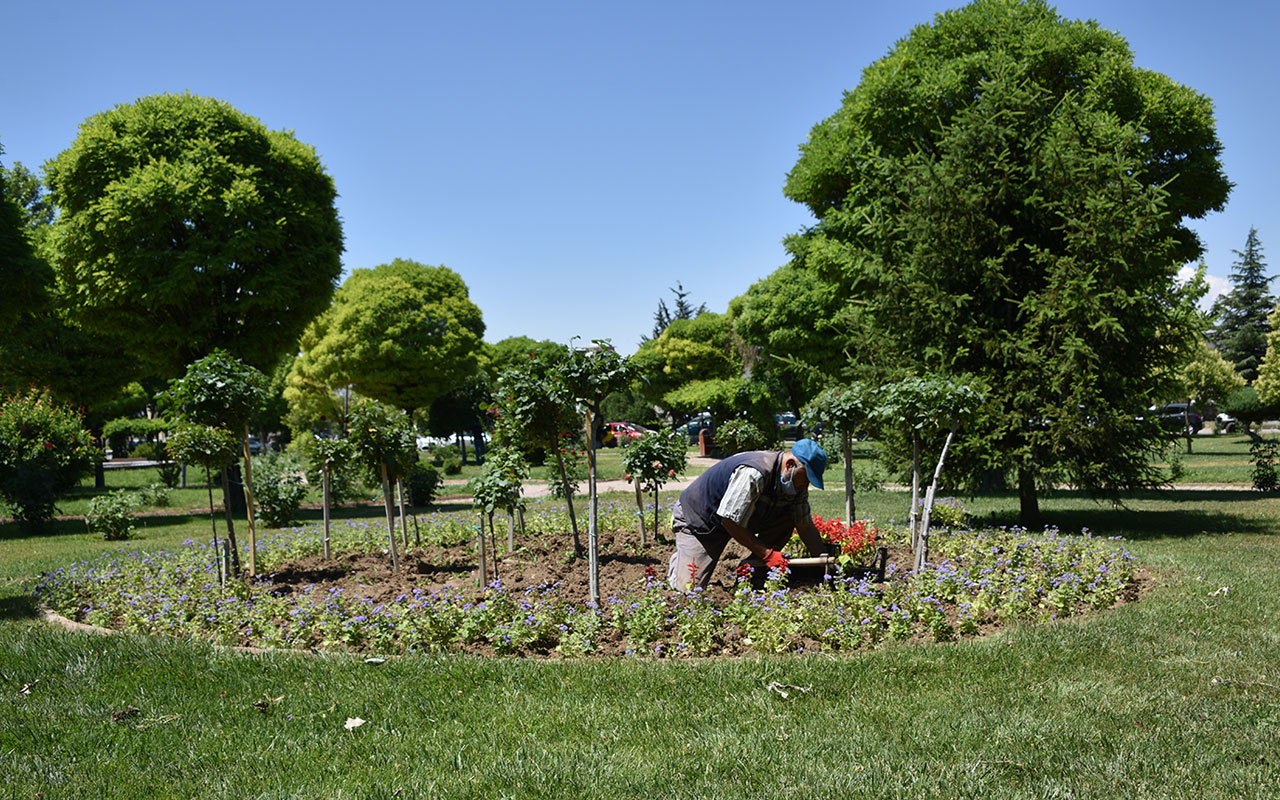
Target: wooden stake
[
  {"x": 483, "y": 559},
  {"x": 391, "y": 526},
  {"x": 324, "y": 483},
  {"x": 640, "y": 508},
  {"x": 248, "y": 503}
]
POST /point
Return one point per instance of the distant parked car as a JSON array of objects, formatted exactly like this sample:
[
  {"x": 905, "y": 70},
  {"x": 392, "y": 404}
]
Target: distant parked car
[
  {"x": 1178, "y": 418},
  {"x": 624, "y": 432},
  {"x": 695, "y": 426},
  {"x": 788, "y": 425},
  {"x": 1226, "y": 423}
]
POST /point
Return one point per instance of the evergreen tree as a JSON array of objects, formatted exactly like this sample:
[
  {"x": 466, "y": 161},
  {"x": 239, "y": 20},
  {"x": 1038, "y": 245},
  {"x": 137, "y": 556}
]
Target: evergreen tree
[
  {"x": 1240, "y": 316},
  {"x": 664, "y": 316}
]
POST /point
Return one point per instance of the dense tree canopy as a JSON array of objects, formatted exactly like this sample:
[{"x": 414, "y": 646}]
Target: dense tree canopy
[
  {"x": 402, "y": 333},
  {"x": 1005, "y": 194},
  {"x": 688, "y": 350},
  {"x": 23, "y": 275},
  {"x": 184, "y": 224}
]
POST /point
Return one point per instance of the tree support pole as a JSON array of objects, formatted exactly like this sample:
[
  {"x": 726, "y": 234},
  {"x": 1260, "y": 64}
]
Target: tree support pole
[{"x": 248, "y": 503}]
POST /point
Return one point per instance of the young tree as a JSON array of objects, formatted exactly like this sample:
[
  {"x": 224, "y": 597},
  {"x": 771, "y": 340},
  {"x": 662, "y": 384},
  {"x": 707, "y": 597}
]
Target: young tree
[
  {"x": 533, "y": 410},
  {"x": 222, "y": 391},
  {"x": 213, "y": 448},
  {"x": 327, "y": 456},
  {"x": 383, "y": 440},
  {"x": 1004, "y": 195},
  {"x": 847, "y": 409},
  {"x": 921, "y": 405},
  {"x": 185, "y": 224},
  {"x": 589, "y": 375},
  {"x": 1242, "y": 316},
  {"x": 498, "y": 487},
  {"x": 650, "y": 462},
  {"x": 402, "y": 333}
]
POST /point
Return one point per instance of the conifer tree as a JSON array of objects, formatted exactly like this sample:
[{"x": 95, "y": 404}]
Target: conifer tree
[{"x": 1241, "y": 316}]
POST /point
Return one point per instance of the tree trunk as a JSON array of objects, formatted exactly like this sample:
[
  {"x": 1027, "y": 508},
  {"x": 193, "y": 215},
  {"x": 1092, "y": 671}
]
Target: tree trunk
[
  {"x": 1028, "y": 501},
  {"x": 231, "y": 526},
  {"x": 391, "y": 526},
  {"x": 1186, "y": 425},
  {"x": 493, "y": 543},
  {"x": 640, "y": 508},
  {"x": 483, "y": 558},
  {"x": 462, "y": 446},
  {"x": 324, "y": 483},
  {"x": 846, "y": 441},
  {"x": 568, "y": 501},
  {"x": 593, "y": 543},
  {"x": 656, "y": 529},
  {"x": 248, "y": 504},
  {"x": 213, "y": 519},
  {"x": 511, "y": 531}
]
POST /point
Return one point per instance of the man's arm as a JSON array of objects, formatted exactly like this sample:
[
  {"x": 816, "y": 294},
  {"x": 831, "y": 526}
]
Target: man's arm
[{"x": 745, "y": 538}]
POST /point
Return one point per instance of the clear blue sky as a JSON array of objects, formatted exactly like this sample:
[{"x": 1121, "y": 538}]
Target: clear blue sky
[{"x": 572, "y": 161}]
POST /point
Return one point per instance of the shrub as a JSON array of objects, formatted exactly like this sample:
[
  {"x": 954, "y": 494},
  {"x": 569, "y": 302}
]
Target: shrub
[
  {"x": 111, "y": 515},
  {"x": 446, "y": 458},
  {"x": 739, "y": 436},
  {"x": 949, "y": 512},
  {"x": 278, "y": 488},
  {"x": 1263, "y": 455},
  {"x": 170, "y": 472},
  {"x": 44, "y": 451},
  {"x": 421, "y": 483},
  {"x": 151, "y": 451},
  {"x": 155, "y": 494}
]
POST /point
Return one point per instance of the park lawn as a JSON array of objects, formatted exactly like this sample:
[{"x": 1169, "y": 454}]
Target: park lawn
[{"x": 1173, "y": 696}]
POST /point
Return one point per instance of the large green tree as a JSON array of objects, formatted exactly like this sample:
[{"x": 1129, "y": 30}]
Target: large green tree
[
  {"x": 1242, "y": 316},
  {"x": 1005, "y": 193},
  {"x": 25, "y": 277},
  {"x": 185, "y": 224},
  {"x": 688, "y": 350},
  {"x": 402, "y": 333},
  {"x": 795, "y": 321}
]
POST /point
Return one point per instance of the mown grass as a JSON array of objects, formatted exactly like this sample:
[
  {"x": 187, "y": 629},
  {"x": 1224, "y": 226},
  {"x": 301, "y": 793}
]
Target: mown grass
[{"x": 1176, "y": 695}]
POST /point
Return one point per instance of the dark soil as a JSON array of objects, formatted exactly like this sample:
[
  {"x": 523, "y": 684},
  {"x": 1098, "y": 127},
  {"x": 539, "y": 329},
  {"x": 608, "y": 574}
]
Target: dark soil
[{"x": 623, "y": 563}]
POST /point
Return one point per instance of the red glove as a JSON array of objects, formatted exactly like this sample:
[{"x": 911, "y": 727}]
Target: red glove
[{"x": 775, "y": 560}]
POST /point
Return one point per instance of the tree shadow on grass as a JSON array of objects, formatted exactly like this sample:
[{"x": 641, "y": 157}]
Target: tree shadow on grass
[
  {"x": 1156, "y": 514},
  {"x": 16, "y": 607}
]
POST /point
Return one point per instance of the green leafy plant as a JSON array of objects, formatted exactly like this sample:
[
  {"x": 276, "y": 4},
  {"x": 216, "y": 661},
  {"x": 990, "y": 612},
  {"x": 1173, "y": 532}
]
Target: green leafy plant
[
  {"x": 111, "y": 515},
  {"x": 279, "y": 488},
  {"x": 650, "y": 462},
  {"x": 740, "y": 436},
  {"x": 44, "y": 451},
  {"x": 1263, "y": 453}
]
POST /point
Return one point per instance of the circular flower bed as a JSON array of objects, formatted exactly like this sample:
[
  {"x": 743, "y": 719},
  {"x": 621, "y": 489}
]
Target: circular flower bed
[{"x": 538, "y": 604}]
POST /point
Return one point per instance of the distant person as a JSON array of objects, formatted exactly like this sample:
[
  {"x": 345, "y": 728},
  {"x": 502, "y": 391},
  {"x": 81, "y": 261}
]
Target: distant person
[{"x": 756, "y": 499}]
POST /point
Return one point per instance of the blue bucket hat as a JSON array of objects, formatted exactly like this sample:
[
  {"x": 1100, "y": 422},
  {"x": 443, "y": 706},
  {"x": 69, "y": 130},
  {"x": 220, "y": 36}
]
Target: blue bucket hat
[{"x": 814, "y": 459}]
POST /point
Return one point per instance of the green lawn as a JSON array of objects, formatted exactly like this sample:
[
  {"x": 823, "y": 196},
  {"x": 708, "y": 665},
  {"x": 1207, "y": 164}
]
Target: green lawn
[{"x": 1177, "y": 695}]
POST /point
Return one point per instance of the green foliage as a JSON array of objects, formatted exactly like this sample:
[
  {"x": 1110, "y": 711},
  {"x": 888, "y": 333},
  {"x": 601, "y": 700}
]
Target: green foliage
[
  {"x": 1209, "y": 379},
  {"x": 931, "y": 401},
  {"x": 402, "y": 333},
  {"x": 44, "y": 451},
  {"x": 153, "y": 494},
  {"x": 1242, "y": 315},
  {"x": 170, "y": 472},
  {"x": 498, "y": 486},
  {"x": 689, "y": 350},
  {"x": 339, "y": 457},
  {"x": 117, "y": 431},
  {"x": 1263, "y": 454},
  {"x": 1268, "y": 382},
  {"x": 24, "y": 276},
  {"x": 725, "y": 398},
  {"x": 532, "y": 407},
  {"x": 1004, "y": 195},
  {"x": 797, "y": 320},
  {"x": 844, "y": 408},
  {"x": 218, "y": 389},
  {"x": 111, "y": 515},
  {"x": 446, "y": 458},
  {"x": 623, "y": 406},
  {"x": 185, "y": 224},
  {"x": 152, "y": 451},
  {"x": 1246, "y": 406},
  {"x": 278, "y": 489},
  {"x": 656, "y": 458},
  {"x": 207, "y": 446},
  {"x": 739, "y": 436},
  {"x": 592, "y": 373},
  {"x": 382, "y": 436},
  {"x": 421, "y": 483}
]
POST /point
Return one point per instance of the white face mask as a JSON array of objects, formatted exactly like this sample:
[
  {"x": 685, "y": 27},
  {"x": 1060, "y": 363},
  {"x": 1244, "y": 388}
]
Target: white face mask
[{"x": 787, "y": 484}]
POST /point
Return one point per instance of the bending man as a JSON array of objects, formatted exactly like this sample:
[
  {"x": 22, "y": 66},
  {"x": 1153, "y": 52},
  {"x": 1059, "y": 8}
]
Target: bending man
[{"x": 757, "y": 499}]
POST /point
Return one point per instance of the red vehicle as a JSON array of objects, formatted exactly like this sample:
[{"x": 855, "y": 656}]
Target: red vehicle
[{"x": 624, "y": 432}]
